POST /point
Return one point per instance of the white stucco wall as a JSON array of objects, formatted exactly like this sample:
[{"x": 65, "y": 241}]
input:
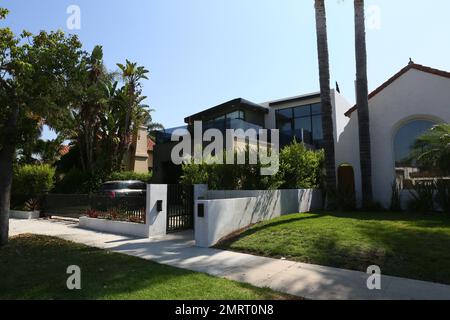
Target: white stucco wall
[
  {"x": 157, "y": 221},
  {"x": 416, "y": 95},
  {"x": 229, "y": 211},
  {"x": 115, "y": 227}
]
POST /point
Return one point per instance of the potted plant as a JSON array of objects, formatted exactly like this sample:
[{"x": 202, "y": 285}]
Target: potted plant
[{"x": 30, "y": 210}]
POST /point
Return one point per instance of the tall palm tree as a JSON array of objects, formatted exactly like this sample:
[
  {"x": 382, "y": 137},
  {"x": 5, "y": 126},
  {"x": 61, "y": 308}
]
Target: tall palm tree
[
  {"x": 363, "y": 103},
  {"x": 325, "y": 95},
  {"x": 132, "y": 74}
]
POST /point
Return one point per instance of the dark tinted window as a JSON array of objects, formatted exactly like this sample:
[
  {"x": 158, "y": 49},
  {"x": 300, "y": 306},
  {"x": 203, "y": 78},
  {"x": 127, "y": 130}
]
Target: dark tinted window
[
  {"x": 303, "y": 111},
  {"x": 112, "y": 186},
  {"x": 316, "y": 108},
  {"x": 137, "y": 186}
]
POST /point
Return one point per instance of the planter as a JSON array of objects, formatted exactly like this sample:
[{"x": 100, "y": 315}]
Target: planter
[
  {"x": 24, "y": 215},
  {"x": 116, "y": 227}
]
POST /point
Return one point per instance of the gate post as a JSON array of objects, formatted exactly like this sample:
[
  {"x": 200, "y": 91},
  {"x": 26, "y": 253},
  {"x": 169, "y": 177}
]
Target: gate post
[
  {"x": 157, "y": 220},
  {"x": 200, "y": 193}
]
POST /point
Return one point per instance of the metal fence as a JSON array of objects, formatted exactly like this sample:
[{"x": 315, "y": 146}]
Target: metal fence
[{"x": 122, "y": 208}]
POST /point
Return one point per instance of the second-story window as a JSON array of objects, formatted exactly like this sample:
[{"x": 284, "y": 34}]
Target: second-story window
[{"x": 303, "y": 123}]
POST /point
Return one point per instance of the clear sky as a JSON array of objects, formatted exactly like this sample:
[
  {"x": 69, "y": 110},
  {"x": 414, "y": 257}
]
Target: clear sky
[{"x": 204, "y": 52}]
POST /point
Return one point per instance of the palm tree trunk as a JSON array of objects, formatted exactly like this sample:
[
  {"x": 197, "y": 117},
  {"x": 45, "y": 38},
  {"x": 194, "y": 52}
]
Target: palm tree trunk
[
  {"x": 325, "y": 95},
  {"x": 363, "y": 103}
]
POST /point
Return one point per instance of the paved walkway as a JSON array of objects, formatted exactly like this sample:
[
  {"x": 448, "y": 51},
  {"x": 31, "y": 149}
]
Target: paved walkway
[{"x": 304, "y": 280}]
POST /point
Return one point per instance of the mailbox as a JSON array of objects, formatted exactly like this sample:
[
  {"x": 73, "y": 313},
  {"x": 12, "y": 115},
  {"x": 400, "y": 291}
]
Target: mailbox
[
  {"x": 159, "y": 205},
  {"x": 201, "y": 210}
]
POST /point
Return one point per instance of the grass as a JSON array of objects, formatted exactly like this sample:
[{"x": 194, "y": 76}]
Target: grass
[
  {"x": 402, "y": 244},
  {"x": 34, "y": 267}
]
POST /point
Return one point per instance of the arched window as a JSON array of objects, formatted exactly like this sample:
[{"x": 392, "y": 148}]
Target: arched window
[{"x": 405, "y": 167}]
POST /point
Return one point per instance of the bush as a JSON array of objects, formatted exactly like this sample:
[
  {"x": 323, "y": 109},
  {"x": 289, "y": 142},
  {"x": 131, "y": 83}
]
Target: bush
[
  {"x": 422, "y": 197},
  {"x": 299, "y": 168},
  {"x": 77, "y": 181},
  {"x": 130, "y": 175},
  {"x": 33, "y": 180},
  {"x": 225, "y": 177},
  {"x": 396, "y": 201},
  {"x": 443, "y": 195}
]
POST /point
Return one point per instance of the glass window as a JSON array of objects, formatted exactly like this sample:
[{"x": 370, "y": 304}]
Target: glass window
[
  {"x": 406, "y": 169},
  {"x": 405, "y": 138},
  {"x": 285, "y": 113},
  {"x": 254, "y": 118},
  {"x": 316, "y": 108},
  {"x": 303, "y": 111},
  {"x": 302, "y": 123},
  {"x": 234, "y": 115},
  {"x": 285, "y": 125},
  {"x": 317, "y": 128}
]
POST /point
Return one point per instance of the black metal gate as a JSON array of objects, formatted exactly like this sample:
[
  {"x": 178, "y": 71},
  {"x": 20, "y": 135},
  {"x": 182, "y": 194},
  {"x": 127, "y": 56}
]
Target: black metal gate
[{"x": 180, "y": 207}]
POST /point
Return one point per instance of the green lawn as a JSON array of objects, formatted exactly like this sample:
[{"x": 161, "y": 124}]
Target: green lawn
[
  {"x": 402, "y": 244},
  {"x": 34, "y": 267}
]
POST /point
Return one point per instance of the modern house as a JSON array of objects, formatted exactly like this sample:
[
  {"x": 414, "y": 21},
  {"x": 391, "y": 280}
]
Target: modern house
[
  {"x": 298, "y": 118},
  {"x": 401, "y": 109}
]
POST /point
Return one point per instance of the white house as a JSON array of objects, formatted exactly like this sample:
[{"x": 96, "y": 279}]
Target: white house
[{"x": 401, "y": 109}]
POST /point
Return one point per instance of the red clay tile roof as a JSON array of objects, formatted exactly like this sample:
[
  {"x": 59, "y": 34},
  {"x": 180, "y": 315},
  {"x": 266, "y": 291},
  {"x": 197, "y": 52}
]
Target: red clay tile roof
[
  {"x": 63, "y": 150},
  {"x": 150, "y": 144},
  {"x": 419, "y": 67}
]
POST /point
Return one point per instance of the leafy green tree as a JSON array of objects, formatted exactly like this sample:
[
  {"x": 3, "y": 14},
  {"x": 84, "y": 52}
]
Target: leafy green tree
[
  {"x": 36, "y": 73},
  {"x": 40, "y": 151}
]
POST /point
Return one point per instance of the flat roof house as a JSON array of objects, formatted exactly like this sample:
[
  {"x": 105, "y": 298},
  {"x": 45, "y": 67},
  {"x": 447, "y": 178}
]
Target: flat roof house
[{"x": 298, "y": 117}]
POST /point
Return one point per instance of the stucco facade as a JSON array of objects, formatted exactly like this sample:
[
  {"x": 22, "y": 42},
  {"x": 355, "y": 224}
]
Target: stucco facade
[{"x": 415, "y": 93}]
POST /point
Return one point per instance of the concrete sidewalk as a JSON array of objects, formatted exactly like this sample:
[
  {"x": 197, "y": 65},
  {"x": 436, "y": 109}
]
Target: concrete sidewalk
[{"x": 304, "y": 280}]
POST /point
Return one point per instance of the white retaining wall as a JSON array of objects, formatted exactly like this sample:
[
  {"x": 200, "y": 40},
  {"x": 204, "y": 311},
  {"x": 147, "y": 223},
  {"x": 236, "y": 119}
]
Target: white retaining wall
[
  {"x": 115, "y": 227},
  {"x": 24, "y": 215},
  {"x": 228, "y": 211}
]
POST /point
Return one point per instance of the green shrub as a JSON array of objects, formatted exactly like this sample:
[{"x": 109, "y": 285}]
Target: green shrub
[
  {"x": 396, "y": 203},
  {"x": 443, "y": 195},
  {"x": 299, "y": 168},
  {"x": 422, "y": 197},
  {"x": 33, "y": 180},
  {"x": 130, "y": 175},
  {"x": 78, "y": 182},
  {"x": 225, "y": 177}
]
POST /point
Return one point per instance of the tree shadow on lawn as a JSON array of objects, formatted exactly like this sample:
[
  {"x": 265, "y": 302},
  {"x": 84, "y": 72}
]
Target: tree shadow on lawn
[
  {"x": 418, "y": 253},
  {"x": 421, "y": 254},
  {"x": 37, "y": 270}
]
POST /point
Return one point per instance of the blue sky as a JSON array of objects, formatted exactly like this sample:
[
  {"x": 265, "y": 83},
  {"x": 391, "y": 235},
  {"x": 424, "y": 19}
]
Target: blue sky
[{"x": 204, "y": 52}]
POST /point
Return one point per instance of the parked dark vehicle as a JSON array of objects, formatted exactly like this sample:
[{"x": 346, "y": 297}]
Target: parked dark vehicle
[
  {"x": 123, "y": 188},
  {"x": 118, "y": 194}
]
